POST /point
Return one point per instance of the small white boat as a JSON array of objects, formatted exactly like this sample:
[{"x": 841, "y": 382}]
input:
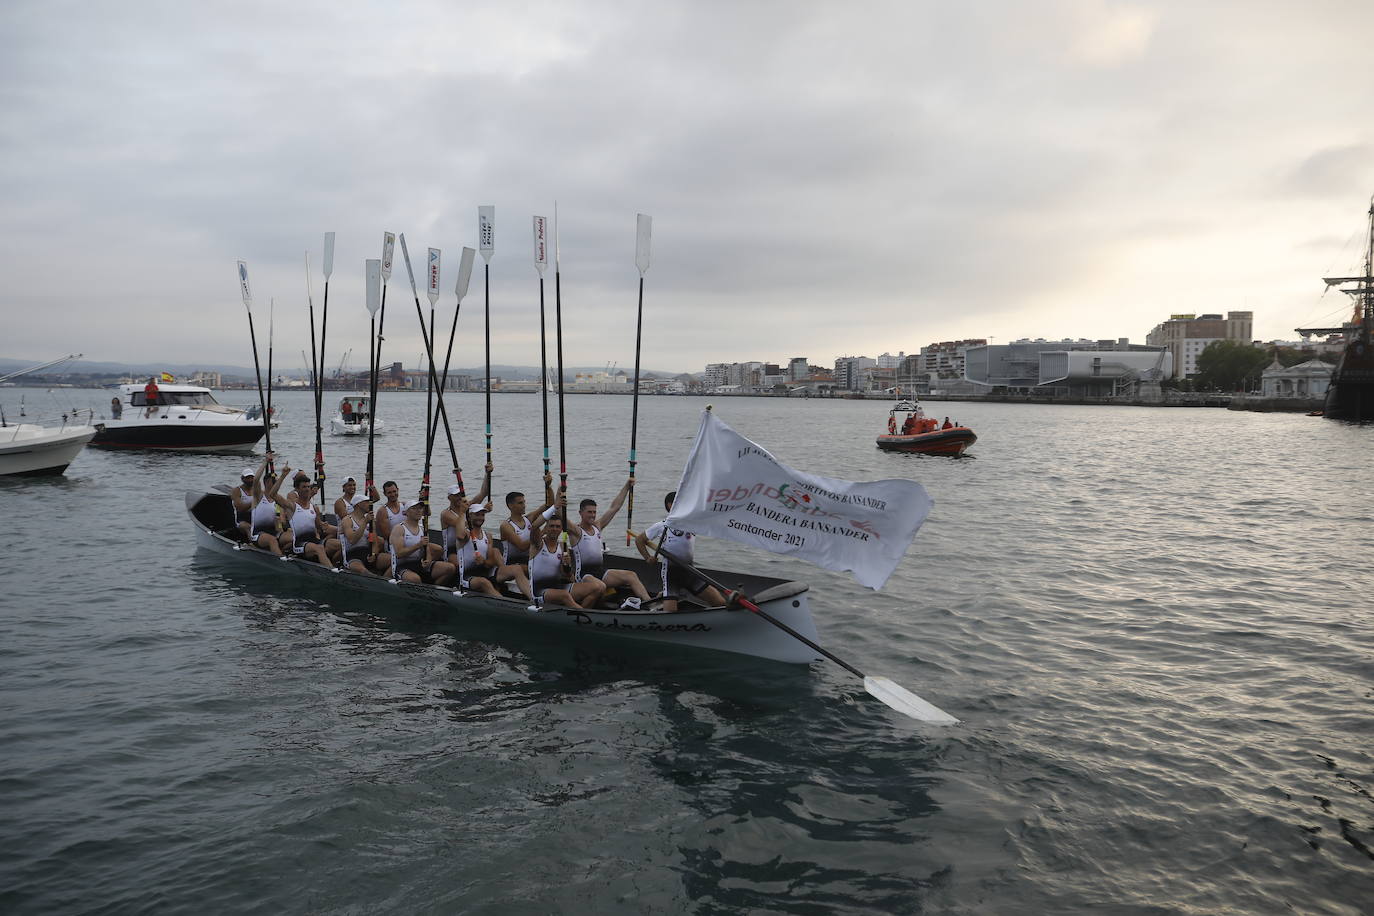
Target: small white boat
[
  {"x": 185, "y": 418},
  {"x": 33, "y": 450},
  {"x": 354, "y": 417}
]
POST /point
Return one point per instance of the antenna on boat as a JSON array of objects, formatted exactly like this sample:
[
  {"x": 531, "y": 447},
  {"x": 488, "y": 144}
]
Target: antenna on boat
[
  {"x": 541, "y": 263},
  {"x": 247, "y": 294},
  {"x": 644, "y": 230}
]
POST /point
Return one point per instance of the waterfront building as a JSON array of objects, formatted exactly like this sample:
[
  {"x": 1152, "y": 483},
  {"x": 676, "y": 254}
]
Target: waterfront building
[
  {"x": 1067, "y": 368},
  {"x": 945, "y": 360},
  {"x": 798, "y": 368},
  {"x": 848, "y": 369},
  {"x": 888, "y": 361},
  {"x": 1186, "y": 336},
  {"x": 716, "y": 374},
  {"x": 1305, "y": 380},
  {"x": 208, "y": 379}
]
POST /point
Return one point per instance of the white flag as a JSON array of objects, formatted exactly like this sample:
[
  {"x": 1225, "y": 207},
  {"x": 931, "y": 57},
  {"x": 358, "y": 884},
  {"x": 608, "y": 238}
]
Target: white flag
[{"x": 733, "y": 489}]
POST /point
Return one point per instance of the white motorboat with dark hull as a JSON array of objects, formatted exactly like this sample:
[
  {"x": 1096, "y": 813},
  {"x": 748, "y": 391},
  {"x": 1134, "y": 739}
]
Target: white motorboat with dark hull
[
  {"x": 185, "y": 418},
  {"x": 721, "y": 629}
]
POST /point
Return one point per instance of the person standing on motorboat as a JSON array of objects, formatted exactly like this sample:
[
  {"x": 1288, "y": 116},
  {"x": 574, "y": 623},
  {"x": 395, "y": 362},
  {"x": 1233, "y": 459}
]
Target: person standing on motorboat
[
  {"x": 150, "y": 396},
  {"x": 677, "y": 581},
  {"x": 589, "y": 553},
  {"x": 116, "y": 408}
]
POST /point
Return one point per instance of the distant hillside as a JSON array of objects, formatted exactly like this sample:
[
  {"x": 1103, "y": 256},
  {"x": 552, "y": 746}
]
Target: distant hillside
[{"x": 241, "y": 373}]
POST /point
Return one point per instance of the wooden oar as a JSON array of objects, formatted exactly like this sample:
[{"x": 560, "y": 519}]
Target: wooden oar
[
  {"x": 891, "y": 693},
  {"x": 644, "y": 230},
  {"x": 252, "y": 336},
  {"x": 541, "y": 263}
]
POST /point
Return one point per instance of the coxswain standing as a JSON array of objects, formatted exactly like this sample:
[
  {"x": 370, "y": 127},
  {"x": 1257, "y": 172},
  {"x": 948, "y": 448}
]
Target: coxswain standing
[
  {"x": 589, "y": 552},
  {"x": 677, "y": 580}
]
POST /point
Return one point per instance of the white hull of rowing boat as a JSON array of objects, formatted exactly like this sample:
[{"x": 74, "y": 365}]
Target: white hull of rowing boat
[{"x": 737, "y": 630}]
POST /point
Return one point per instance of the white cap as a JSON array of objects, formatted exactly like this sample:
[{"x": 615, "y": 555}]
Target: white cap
[
  {"x": 247, "y": 472},
  {"x": 454, "y": 490},
  {"x": 349, "y": 480}
]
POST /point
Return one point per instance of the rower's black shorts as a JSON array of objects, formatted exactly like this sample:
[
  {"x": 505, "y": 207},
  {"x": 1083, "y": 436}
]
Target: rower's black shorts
[{"x": 678, "y": 581}]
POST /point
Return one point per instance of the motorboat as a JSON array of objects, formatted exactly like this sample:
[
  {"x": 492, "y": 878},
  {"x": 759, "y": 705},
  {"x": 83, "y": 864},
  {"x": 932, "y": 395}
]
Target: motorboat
[
  {"x": 910, "y": 430},
  {"x": 354, "y": 417},
  {"x": 37, "y": 450},
  {"x": 42, "y": 449},
  {"x": 183, "y": 418}
]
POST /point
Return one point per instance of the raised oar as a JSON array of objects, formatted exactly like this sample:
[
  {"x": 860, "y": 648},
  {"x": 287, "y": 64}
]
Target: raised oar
[
  {"x": 891, "y": 693},
  {"x": 558, "y": 336},
  {"x": 541, "y": 263},
  {"x": 486, "y": 241},
  {"x": 460, "y": 290},
  {"x": 432, "y": 271},
  {"x": 271, "y": 328},
  {"x": 433, "y": 380},
  {"x": 248, "y": 307},
  {"x": 319, "y": 388},
  {"x": 644, "y": 229},
  {"x": 373, "y": 273},
  {"x": 388, "y": 253}
]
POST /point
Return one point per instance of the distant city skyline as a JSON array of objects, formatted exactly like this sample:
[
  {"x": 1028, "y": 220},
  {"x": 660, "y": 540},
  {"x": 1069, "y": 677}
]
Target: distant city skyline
[{"x": 820, "y": 182}]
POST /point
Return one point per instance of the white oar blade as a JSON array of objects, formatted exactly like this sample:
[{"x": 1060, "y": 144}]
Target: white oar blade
[
  {"x": 541, "y": 245},
  {"x": 644, "y": 231},
  {"x": 433, "y": 271},
  {"x": 464, "y": 274},
  {"x": 388, "y": 253},
  {"x": 906, "y": 702},
  {"x": 410, "y": 272},
  {"x": 486, "y": 231},
  {"x": 328, "y": 255},
  {"x": 243, "y": 286},
  {"x": 374, "y": 285}
]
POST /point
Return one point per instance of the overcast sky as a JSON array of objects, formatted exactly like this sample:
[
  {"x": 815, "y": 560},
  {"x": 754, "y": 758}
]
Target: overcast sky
[{"x": 824, "y": 179}]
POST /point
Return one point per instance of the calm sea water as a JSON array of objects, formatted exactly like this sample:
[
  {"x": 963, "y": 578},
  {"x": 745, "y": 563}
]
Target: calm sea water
[{"x": 1155, "y": 625}]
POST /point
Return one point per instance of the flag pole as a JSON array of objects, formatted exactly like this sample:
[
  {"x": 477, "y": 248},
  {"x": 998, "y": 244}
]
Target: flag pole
[
  {"x": 384, "y": 280},
  {"x": 541, "y": 263},
  {"x": 247, "y": 294},
  {"x": 643, "y": 232},
  {"x": 486, "y": 241}
]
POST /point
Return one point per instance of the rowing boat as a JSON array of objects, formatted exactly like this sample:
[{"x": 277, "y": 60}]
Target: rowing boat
[{"x": 720, "y": 629}]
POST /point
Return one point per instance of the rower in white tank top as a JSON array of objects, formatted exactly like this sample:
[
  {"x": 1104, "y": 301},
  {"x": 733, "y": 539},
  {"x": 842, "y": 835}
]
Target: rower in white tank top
[
  {"x": 303, "y": 530},
  {"x": 264, "y": 516},
  {"x": 589, "y": 554}
]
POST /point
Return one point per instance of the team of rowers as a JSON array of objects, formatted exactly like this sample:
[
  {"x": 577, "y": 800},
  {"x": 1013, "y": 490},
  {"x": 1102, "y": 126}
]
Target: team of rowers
[{"x": 380, "y": 534}]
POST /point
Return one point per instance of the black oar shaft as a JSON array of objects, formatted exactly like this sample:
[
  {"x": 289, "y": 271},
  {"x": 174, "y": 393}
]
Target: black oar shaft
[
  {"x": 262, "y": 403},
  {"x": 486, "y": 309},
  {"x": 315, "y": 374},
  {"x": 543, "y": 374},
  {"x": 443, "y": 385},
  {"x": 378, "y": 324},
  {"x": 562, "y": 433},
  {"x": 634, "y": 413}
]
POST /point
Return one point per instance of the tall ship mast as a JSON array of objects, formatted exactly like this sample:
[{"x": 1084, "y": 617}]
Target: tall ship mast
[{"x": 1351, "y": 394}]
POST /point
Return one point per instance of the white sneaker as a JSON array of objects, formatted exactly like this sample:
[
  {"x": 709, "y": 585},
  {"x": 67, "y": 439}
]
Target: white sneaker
[{"x": 630, "y": 604}]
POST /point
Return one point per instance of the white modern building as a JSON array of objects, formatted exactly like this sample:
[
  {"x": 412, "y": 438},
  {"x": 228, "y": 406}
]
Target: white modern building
[
  {"x": 1305, "y": 380},
  {"x": 1067, "y": 368}
]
